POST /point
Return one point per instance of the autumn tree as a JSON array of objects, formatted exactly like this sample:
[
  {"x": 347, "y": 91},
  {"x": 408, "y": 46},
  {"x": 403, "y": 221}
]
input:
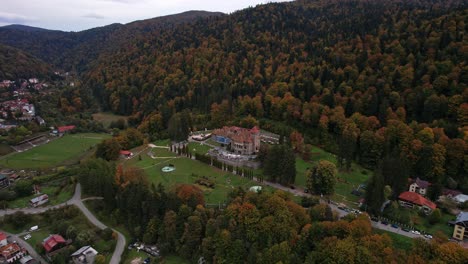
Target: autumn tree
[{"x": 321, "y": 179}]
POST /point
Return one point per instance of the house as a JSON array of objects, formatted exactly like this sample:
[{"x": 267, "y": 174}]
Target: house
[
  {"x": 450, "y": 193},
  {"x": 460, "y": 231},
  {"x": 53, "y": 242},
  {"x": 240, "y": 140},
  {"x": 84, "y": 255},
  {"x": 64, "y": 129},
  {"x": 4, "y": 181},
  {"x": 11, "y": 252},
  {"x": 413, "y": 199},
  {"x": 40, "y": 121},
  {"x": 3, "y": 239},
  {"x": 460, "y": 198},
  {"x": 39, "y": 200},
  {"x": 419, "y": 186},
  {"x": 126, "y": 154},
  {"x": 28, "y": 260}
]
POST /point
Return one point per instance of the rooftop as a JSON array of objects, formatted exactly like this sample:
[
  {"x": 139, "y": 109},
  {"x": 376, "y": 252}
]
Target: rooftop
[
  {"x": 462, "y": 217},
  {"x": 422, "y": 184},
  {"x": 416, "y": 198},
  {"x": 9, "y": 250},
  {"x": 51, "y": 241},
  {"x": 86, "y": 250}
]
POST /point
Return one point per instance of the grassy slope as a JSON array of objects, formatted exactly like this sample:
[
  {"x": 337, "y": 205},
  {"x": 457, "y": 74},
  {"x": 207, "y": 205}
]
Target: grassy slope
[
  {"x": 347, "y": 180},
  {"x": 64, "y": 195},
  {"x": 107, "y": 118},
  {"x": 187, "y": 171},
  {"x": 53, "y": 153}
]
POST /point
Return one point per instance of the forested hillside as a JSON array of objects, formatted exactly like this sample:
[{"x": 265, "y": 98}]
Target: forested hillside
[
  {"x": 15, "y": 64},
  {"x": 74, "y": 51},
  {"x": 366, "y": 79}
]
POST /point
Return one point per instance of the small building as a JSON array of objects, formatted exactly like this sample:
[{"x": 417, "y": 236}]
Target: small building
[
  {"x": 450, "y": 193},
  {"x": 419, "y": 186},
  {"x": 255, "y": 189},
  {"x": 39, "y": 200},
  {"x": 3, "y": 239},
  {"x": 53, "y": 242},
  {"x": 84, "y": 255},
  {"x": 28, "y": 260},
  {"x": 413, "y": 199},
  {"x": 4, "y": 181},
  {"x": 460, "y": 231},
  {"x": 460, "y": 198},
  {"x": 11, "y": 252},
  {"x": 65, "y": 129},
  {"x": 126, "y": 154}
]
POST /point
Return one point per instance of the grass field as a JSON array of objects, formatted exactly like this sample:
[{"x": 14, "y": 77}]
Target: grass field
[
  {"x": 57, "y": 152},
  {"x": 107, "y": 118},
  {"x": 63, "y": 195},
  {"x": 172, "y": 259},
  {"x": 347, "y": 180},
  {"x": 187, "y": 171},
  {"x": 5, "y": 149}
]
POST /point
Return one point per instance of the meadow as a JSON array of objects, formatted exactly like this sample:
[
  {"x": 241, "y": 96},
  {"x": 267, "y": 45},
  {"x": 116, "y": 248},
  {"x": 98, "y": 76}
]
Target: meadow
[{"x": 60, "y": 151}]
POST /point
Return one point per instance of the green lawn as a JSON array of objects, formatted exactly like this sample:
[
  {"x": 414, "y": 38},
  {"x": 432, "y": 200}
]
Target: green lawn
[
  {"x": 64, "y": 195},
  {"x": 5, "y": 149},
  {"x": 347, "y": 181},
  {"x": 188, "y": 171},
  {"x": 399, "y": 241},
  {"x": 107, "y": 118},
  {"x": 133, "y": 254},
  {"x": 59, "y": 151},
  {"x": 197, "y": 147}
]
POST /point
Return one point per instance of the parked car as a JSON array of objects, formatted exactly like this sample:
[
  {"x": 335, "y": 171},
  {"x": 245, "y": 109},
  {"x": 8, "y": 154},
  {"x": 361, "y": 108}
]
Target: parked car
[
  {"x": 374, "y": 219},
  {"x": 292, "y": 187},
  {"x": 28, "y": 236},
  {"x": 428, "y": 236},
  {"x": 405, "y": 229},
  {"x": 384, "y": 222},
  {"x": 416, "y": 232},
  {"x": 306, "y": 190},
  {"x": 395, "y": 226},
  {"x": 147, "y": 261}
]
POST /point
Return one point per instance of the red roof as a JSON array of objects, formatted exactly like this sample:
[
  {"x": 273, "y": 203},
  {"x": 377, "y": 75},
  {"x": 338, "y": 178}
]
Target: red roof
[
  {"x": 9, "y": 250},
  {"x": 125, "y": 152},
  {"x": 53, "y": 240},
  {"x": 417, "y": 199},
  {"x": 65, "y": 128},
  {"x": 2, "y": 236}
]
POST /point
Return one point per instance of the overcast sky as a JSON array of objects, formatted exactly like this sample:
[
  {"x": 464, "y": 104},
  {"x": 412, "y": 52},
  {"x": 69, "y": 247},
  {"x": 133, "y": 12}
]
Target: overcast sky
[{"x": 76, "y": 15}]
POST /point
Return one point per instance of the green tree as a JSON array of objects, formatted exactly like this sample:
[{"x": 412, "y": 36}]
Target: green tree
[
  {"x": 375, "y": 193},
  {"x": 109, "y": 149},
  {"x": 280, "y": 164},
  {"x": 321, "y": 179}
]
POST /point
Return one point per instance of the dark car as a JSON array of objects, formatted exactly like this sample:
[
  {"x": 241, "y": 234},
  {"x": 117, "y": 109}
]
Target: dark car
[
  {"x": 395, "y": 226},
  {"x": 374, "y": 219},
  {"x": 405, "y": 229},
  {"x": 292, "y": 187},
  {"x": 384, "y": 222},
  {"x": 148, "y": 260},
  {"x": 306, "y": 190}
]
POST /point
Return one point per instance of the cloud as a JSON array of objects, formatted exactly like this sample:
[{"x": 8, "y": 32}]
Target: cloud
[
  {"x": 94, "y": 15},
  {"x": 119, "y": 1},
  {"x": 12, "y": 18}
]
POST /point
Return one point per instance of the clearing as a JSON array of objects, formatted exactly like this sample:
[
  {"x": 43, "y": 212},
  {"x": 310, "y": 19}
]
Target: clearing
[
  {"x": 67, "y": 149},
  {"x": 107, "y": 118}
]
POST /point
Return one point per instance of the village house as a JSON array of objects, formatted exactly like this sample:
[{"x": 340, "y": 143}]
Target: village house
[
  {"x": 11, "y": 252},
  {"x": 53, "y": 242},
  {"x": 239, "y": 140},
  {"x": 4, "y": 181},
  {"x": 415, "y": 200},
  {"x": 419, "y": 186},
  {"x": 3, "y": 239},
  {"x": 84, "y": 255},
  {"x": 40, "y": 200},
  {"x": 28, "y": 260},
  {"x": 460, "y": 231},
  {"x": 61, "y": 130},
  {"x": 125, "y": 154}
]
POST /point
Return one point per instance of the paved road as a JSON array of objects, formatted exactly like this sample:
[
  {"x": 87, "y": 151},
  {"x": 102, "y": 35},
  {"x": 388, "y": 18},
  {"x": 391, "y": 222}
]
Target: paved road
[
  {"x": 78, "y": 202},
  {"x": 25, "y": 245}
]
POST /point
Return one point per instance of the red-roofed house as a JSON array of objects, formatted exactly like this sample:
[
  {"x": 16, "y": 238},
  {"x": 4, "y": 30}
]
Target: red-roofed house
[
  {"x": 53, "y": 242},
  {"x": 412, "y": 199},
  {"x": 419, "y": 186},
  {"x": 64, "y": 129},
  {"x": 125, "y": 154},
  {"x": 11, "y": 252},
  {"x": 3, "y": 239},
  {"x": 240, "y": 140}
]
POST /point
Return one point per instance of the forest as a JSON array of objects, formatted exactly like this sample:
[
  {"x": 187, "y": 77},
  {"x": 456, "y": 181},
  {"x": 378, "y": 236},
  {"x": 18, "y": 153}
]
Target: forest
[
  {"x": 252, "y": 228},
  {"x": 365, "y": 80}
]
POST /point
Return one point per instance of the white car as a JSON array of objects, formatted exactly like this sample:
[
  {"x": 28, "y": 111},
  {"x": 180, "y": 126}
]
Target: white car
[
  {"x": 415, "y": 232},
  {"x": 28, "y": 236}
]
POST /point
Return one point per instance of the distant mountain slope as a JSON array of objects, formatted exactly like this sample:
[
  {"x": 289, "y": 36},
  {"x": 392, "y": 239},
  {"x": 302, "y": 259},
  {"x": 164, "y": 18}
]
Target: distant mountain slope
[
  {"x": 17, "y": 64},
  {"x": 75, "y": 50}
]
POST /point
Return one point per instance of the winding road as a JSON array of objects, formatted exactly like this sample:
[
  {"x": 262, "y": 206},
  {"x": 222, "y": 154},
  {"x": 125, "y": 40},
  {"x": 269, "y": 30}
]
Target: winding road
[{"x": 78, "y": 202}]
